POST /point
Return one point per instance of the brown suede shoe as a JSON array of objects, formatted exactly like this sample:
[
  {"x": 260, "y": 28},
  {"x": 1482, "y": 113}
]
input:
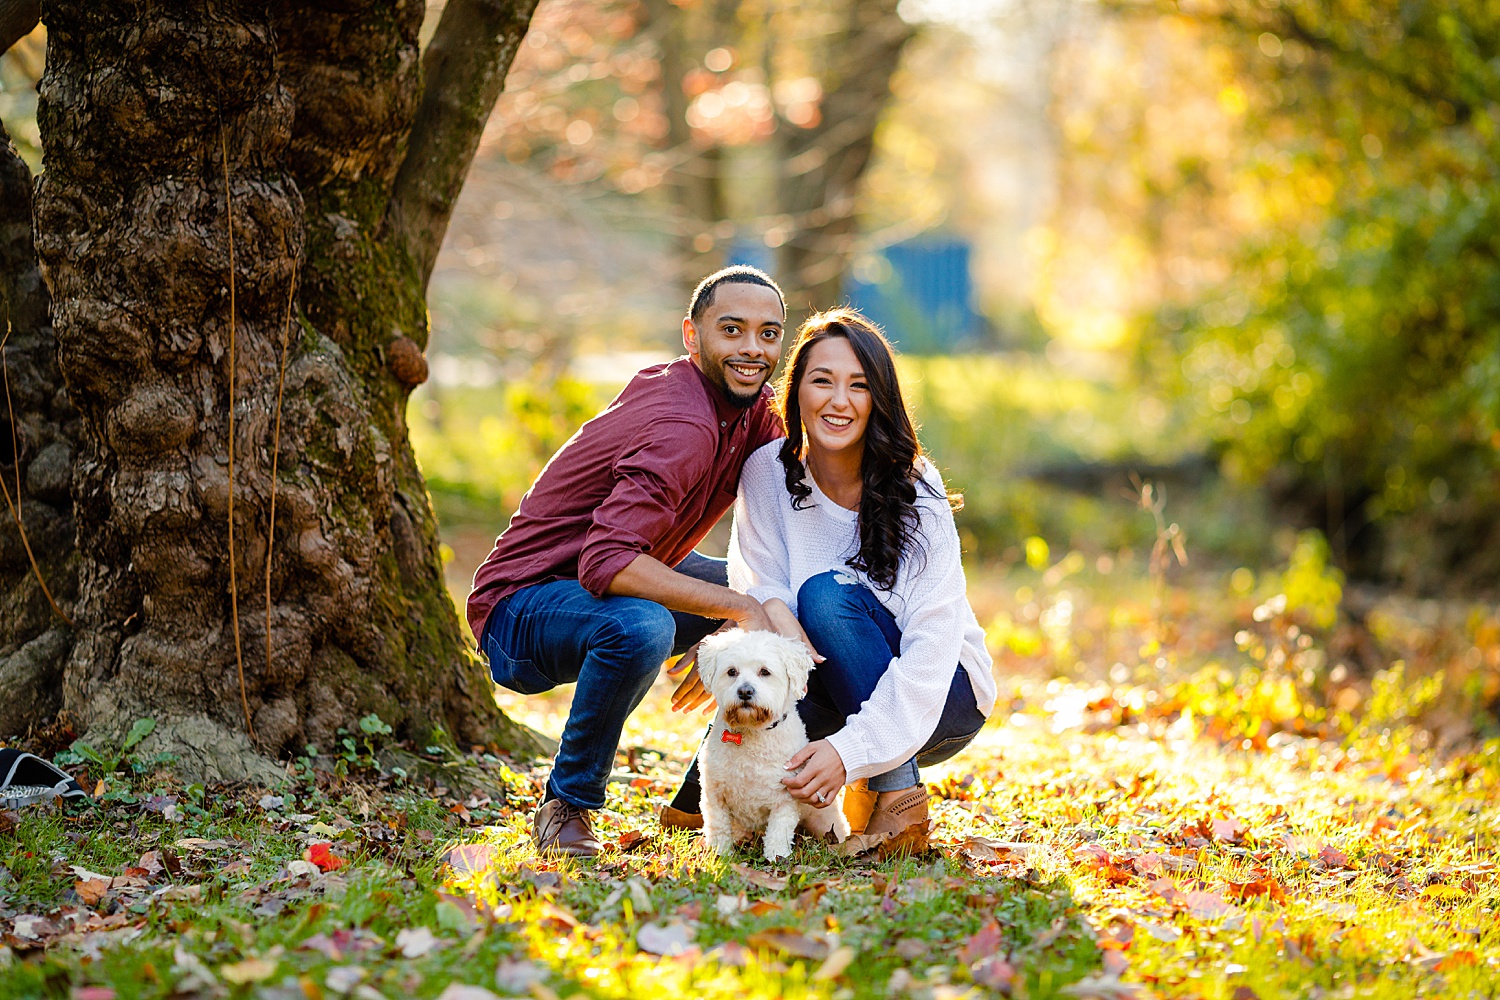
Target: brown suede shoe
[
  {"x": 562, "y": 828},
  {"x": 902, "y": 814},
  {"x": 859, "y": 803},
  {"x": 676, "y": 819}
]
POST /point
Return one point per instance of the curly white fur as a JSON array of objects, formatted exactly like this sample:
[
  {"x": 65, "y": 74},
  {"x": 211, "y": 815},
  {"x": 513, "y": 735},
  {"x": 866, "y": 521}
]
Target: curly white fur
[{"x": 757, "y": 678}]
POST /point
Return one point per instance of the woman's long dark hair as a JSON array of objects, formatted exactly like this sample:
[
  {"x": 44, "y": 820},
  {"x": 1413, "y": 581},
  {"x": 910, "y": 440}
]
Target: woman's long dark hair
[{"x": 888, "y": 516}]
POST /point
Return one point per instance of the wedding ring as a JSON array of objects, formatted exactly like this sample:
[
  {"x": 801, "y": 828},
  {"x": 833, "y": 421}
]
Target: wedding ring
[{"x": 820, "y": 797}]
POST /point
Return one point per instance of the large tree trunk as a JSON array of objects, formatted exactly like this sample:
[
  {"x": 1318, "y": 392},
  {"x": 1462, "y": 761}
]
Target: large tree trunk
[{"x": 184, "y": 306}]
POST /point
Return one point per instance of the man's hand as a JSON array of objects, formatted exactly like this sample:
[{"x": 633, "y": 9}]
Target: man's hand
[
  {"x": 690, "y": 692},
  {"x": 753, "y": 618},
  {"x": 784, "y": 623},
  {"x": 821, "y": 777}
]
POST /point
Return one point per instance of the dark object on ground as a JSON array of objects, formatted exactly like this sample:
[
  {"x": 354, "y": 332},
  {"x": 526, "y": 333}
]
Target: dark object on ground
[{"x": 26, "y": 779}]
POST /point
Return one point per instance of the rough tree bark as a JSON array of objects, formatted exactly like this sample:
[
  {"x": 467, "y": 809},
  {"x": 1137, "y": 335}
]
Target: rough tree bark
[
  {"x": 39, "y": 435},
  {"x": 185, "y": 307},
  {"x": 822, "y": 166}
]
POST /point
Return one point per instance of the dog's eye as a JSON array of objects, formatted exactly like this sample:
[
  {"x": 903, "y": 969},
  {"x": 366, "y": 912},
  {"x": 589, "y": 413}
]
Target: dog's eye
[
  {"x": 764, "y": 672},
  {"x": 732, "y": 672}
]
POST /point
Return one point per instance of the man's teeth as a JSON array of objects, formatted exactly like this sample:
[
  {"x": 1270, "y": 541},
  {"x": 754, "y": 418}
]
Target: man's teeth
[{"x": 747, "y": 371}]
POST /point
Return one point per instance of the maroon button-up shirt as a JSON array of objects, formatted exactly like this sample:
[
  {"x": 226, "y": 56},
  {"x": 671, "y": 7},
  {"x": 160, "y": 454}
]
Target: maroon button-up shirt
[{"x": 650, "y": 474}]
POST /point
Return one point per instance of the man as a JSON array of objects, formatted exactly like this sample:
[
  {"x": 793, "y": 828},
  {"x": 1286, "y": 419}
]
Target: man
[{"x": 595, "y": 581}]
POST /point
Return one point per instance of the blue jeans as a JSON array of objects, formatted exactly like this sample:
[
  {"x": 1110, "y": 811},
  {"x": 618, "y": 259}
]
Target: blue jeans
[
  {"x": 611, "y": 647},
  {"x": 858, "y": 637}
]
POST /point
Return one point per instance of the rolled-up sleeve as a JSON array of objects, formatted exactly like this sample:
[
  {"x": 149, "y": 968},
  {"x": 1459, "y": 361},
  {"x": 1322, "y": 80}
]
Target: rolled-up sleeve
[{"x": 653, "y": 477}]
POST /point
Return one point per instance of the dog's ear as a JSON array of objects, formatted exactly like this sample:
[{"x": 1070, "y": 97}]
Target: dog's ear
[
  {"x": 709, "y": 651},
  {"x": 798, "y": 663}
]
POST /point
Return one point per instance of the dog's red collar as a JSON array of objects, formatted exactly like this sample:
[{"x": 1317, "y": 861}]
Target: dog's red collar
[{"x": 738, "y": 739}]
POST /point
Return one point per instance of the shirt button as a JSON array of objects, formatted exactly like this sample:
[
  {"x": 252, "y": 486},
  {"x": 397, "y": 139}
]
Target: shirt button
[
  {"x": 723, "y": 423},
  {"x": 731, "y": 448}
]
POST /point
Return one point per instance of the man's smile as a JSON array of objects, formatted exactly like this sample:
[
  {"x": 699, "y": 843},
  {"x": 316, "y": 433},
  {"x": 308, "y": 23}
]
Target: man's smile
[{"x": 747, "y": 371}]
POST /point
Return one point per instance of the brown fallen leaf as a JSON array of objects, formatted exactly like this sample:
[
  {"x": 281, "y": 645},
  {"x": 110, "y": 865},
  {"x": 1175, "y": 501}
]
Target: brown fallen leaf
[
  {"x": 993, "y": 973},
  {"x": 985, "y": 942},
  {"x": 91, "y": 890},
  {"x": 835, "y": 964},
  {"x": 758, "y": 878},
  {"x": 862, "y": 843},
  {"x": 761, "y": 907},
  {"x": 1332, "y": 857},
  {"x": 669, "y": 938},
  {"x": 1265, "y": 886},
  {"x": 251, "y": 970},
  {"x": 1228, "y": 830},
  {"x": 788, "y": 941},
  {"x": 1167, "y": 890},
  {"x": 1115, "y": 963},
  {"x": 985, "y": 849},
  {"x": 1208, "y": 905},
  {"x": 631, "y": 839}
]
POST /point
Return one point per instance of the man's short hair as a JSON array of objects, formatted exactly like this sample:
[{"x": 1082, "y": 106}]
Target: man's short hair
[{"x": 735, "y": 274}]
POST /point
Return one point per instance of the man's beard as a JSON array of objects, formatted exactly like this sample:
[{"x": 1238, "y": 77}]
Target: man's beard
[{"x": 715, "y": 373}]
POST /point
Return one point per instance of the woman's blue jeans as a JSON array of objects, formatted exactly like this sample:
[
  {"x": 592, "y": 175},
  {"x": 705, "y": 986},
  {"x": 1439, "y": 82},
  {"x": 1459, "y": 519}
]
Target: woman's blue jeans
[
  {"x": 611, "y": 647},
  {"x": 858, "y": 637}
]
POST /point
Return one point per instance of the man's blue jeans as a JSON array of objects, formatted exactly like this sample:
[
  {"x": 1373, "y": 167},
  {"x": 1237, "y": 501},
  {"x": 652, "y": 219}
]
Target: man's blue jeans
[{"x": 611, "y": 647}]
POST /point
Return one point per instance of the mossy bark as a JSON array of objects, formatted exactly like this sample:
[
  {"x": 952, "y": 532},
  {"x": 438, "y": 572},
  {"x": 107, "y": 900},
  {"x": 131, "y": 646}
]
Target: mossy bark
[{"x": 213, "y": 225}]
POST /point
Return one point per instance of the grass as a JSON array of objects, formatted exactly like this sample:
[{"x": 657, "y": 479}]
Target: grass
[{"x": 1142, "y": 836}]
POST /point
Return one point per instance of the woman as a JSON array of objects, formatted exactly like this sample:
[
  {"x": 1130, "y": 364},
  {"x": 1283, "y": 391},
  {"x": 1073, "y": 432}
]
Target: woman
[{"x": 845, "y": 533}]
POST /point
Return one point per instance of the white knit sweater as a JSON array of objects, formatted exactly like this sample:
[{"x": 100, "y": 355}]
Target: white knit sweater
[{"x": 775, "y": 548}]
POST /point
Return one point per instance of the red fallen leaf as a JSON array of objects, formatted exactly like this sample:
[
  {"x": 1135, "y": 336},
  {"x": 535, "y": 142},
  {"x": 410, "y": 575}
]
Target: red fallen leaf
[
  {"x": 985, "y": 942},
  {"x": 631, "y": 839},
  {"x": 1245, "y": 993},
  {"x": 761, "y": 907},
  {"x": 469, "y": 859},
  {"x": 1115, "y": 963},
  {"x": 1268, "y": 887},
  {"x": 1115, "y": 875},
  {"x": 1457, "y": 960},
  {"x": 1229, "y": 830},
  {"x": 1167, "y": 890},
  {"x": 321, "y": 942},
  {"x": 1333, "y": 857},
  {"x": 789, "y": 941},
  {"x": 320, "y": 855},
  {"x": 1118, "y": 939},
  {"x": 1092, "y": 855}
]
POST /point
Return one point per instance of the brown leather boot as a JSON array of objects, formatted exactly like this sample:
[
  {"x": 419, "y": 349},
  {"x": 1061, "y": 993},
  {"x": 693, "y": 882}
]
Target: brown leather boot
[
  {"x": 903, "y": 814},
  {"x": 676, "y": 819},
  {"x": 562, "y": 828},
  {"x": 859, "y": 803}
]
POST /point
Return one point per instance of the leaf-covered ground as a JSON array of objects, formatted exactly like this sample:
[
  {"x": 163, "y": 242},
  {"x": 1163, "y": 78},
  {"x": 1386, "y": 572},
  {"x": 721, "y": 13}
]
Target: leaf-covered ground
[{"x": 1205, "y": 836}]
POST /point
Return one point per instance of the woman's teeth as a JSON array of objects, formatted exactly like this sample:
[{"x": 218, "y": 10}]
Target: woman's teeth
[{"x": 838, "y": 421}]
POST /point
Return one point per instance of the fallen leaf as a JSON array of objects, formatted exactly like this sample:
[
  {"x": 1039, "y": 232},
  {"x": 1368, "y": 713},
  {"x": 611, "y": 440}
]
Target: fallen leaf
[
  {"x": 1167, "y": 890},
  {"x": 1208, "y": 905},
  {"x": 788, "y": 941},
  {"x": 761, "y": 907},
  {"x": 414, "y": 942},
  {"x": 91, "y": 890},
  {"x": 1457, "y": 960},
  {"x": 269, "y": 802},
  {"x": 668, "y": 937},
  {"x": 1268, "y": 887},
  {"x": 631, "y": 839},
  {"x": 1101, "y": 988},
  {"x": 1162, "y": 932},
  {"x": 835, "y": 964},
  {"x": 93, "y": 993},
  {"x": 462, "y": 991},
  {"x": 758, "y": 878},
  {"x": 1115, "y": 963},
  {"x": 343, "y": 978},
  {"x": 862, "y": 843},
  {"x": 1332, "y": 857},
  {"x": 1443, "y": 891},
  {"x": 1229, "y": 830},
  {"x": 518, "y": 977},
  {"x": 468, "y": 859},
  {"x": 984, "y": 943},
  {"x": 993, "y": 973},
  {"x": 251, "y": 970},
  {"x": 320, "y": 854}
]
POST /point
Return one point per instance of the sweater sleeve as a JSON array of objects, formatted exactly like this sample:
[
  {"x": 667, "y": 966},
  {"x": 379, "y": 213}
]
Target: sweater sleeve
[
  {"x": 903, "y": 712},
  {"x": 758, "y": 557}
]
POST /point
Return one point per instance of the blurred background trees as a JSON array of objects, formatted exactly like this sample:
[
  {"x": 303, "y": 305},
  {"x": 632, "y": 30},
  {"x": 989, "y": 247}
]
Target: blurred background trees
[{"x": 1245, "y": 249}]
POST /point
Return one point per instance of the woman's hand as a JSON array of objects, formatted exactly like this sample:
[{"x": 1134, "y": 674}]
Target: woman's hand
[
  {"x": 784, "y": 623},
  {"x": 690, "y": 692},
  {"x": 821, "y": 777}
]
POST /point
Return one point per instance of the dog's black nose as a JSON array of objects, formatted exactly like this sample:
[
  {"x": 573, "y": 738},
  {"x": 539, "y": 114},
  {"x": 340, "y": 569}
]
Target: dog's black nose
[{"x": 746, "y": 692}]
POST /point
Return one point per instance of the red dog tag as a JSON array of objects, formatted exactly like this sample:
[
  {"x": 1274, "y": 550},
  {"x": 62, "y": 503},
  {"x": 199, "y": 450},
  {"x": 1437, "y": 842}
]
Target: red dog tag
[{"x": 729, "y": 737}]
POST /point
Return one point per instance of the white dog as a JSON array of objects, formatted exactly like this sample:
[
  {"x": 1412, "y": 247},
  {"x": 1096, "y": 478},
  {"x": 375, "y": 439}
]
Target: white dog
[{"x": 757, "y": 678}]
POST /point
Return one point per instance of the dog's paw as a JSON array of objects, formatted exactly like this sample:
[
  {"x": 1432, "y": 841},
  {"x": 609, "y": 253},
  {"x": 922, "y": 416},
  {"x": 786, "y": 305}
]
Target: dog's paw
[
  {"x": 720, "y": 844},
  {"x": 775, "y": 851}
]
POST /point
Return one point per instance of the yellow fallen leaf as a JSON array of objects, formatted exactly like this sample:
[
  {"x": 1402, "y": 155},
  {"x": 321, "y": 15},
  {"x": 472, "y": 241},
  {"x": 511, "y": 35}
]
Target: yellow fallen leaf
[
  {"x": 835, "y": 964},
  {"x": 251, "y": 970}
]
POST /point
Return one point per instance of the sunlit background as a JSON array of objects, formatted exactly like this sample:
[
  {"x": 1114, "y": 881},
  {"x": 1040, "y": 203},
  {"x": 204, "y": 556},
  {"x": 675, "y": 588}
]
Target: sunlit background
[{"x": 1198, "y": 305}]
